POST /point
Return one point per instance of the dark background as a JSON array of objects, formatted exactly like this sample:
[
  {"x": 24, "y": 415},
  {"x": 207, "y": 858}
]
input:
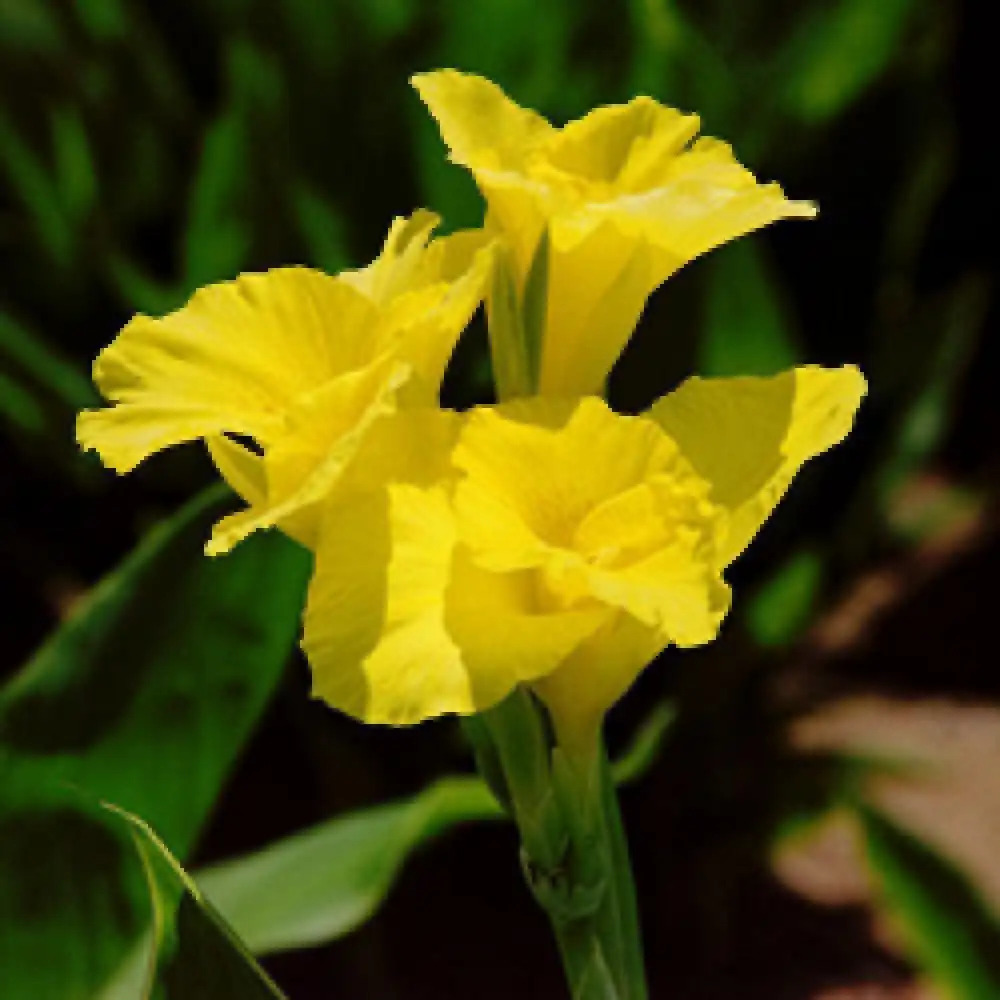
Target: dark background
[{"x": 149, "y": 148}]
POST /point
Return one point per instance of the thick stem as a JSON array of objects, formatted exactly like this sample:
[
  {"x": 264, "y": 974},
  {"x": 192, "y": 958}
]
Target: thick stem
[
  {"x": 586, "y": 781},
  {"x": 573, "y": 848}
]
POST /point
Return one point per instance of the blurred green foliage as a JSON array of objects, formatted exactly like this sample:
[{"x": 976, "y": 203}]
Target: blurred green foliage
[
  {"x": 143, "y": 698},
  {"x": 148, "y": 148}
]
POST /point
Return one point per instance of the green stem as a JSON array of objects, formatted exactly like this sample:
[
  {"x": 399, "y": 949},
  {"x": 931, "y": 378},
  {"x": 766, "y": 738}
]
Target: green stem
[
  {"x": 587, "y": 783},
  {"x": 573, "y": 848}
]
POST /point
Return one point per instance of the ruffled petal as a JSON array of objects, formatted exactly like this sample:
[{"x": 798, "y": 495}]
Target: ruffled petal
[
  {"x": 401, "y": 626},
  {"x": 620, "y": 144},
  {"x": 230, "y": 360},
  {"x": 534, "y": 469},
  {"x": 597, "y": 673},
  {"x": 749, "y": 436},
  {"x": 374, "y": 622},
  {"x": 479, "y": 123},
  {"x": 325, "y": 430}
]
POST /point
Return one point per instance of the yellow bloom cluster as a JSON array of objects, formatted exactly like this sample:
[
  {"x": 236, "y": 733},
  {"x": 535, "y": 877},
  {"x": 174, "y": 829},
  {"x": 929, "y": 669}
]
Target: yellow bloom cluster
[{"x": 546, "y": 540}]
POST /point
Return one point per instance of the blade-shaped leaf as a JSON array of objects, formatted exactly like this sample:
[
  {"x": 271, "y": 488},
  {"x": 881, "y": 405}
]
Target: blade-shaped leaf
[
  {"x": 782, "y": 606},
  {"x": 144, "y": 697},
  {"x": 951, "y": 932},
  {"x": 841, "y": 53},
  {"x": 747, "y": 331},
  {"x": 71, "y": 895},
  {"x": 321, "y": 884},
  {"x": 195, "y": 953}
]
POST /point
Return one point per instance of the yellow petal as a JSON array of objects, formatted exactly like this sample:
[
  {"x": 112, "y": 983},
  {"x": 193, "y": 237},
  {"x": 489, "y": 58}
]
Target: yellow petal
[
  {"x": 749, "y": 436},
  {"x": 242, "y": 469},
  {"x": 598, "y": 287},
  {"x": 374, "y": 622},
  {"x": 535, "y": 468},
  {"x": 674, "y": 590},
  {"x": 400, "y": 626},
  {"x": 625, "y": 197},
  {"x": 228, "y": 361},
  {"x": 599, "y": 671},
  {"x": 506, "y": 637},
  {"x": 651, "y": 551},
  {"x": 325, "y": 430},
  {"x": 398, "y": 266},
  {"x": 480, "y": 125},
  {"x": 426, "y": 322},
  {"x": 614, "y": 144}
]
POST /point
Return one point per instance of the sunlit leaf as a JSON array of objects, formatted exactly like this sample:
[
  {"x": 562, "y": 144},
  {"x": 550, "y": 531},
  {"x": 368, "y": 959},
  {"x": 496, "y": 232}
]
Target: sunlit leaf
[{"x": 321, "y": 884}]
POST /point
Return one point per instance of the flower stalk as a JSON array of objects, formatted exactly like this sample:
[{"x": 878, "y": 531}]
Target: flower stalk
[{"x": 573, "y": 849}]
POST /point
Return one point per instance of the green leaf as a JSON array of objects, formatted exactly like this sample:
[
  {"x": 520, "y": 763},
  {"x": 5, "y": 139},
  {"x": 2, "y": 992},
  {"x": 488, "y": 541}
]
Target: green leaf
[
  {"x": 75, "y": 173},
  {"x": 29, "y": 26},
  {"x": 143, "y": 697},
  {"x": 43, "y": 365},
  {"x": 783, "y": 605},
  {"x": 322, "y": 883},
  {"x": 31, "y": 181},
  {"x": 322, "y": 227},
  {"x": 747, "y": 330},
  {"x": 956, "y": 326},
  {"x": 141, "y": 290},
  {"x": 194, "y": 952},
  {"x": 951, "y": 933},
  {"x": 71, "y": 899},
  {"x": 103, "y": 19},
  {"x": 217, "y": 236},
  {"x": 146, "y": 694},
  {"x": 644, "y": 747},
  {"x": 841, "y": 53}
]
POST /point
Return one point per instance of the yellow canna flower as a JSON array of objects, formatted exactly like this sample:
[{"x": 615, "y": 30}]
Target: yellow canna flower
[
  {"x": 300, "y": 364},
  {"x": 605, "y": 208},
  {"x": 553, "y": 543}
]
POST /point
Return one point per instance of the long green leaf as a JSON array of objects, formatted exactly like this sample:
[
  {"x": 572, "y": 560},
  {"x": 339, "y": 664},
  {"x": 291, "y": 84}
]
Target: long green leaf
[
  {"x": 144, "y": 697},
  {"x": 951, "y": 932},
  {"x": 841, "y": 53},
  {"x": 192, "y": 952},
  {"x": 217, "y": 237},
  {"x": 43, "y": 365},
  {"x": 321, "y": 884},
  {"x": 747, "y": 330}
]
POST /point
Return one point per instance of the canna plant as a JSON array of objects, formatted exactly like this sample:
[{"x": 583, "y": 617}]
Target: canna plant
[{"x": 517, "y": 564}]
